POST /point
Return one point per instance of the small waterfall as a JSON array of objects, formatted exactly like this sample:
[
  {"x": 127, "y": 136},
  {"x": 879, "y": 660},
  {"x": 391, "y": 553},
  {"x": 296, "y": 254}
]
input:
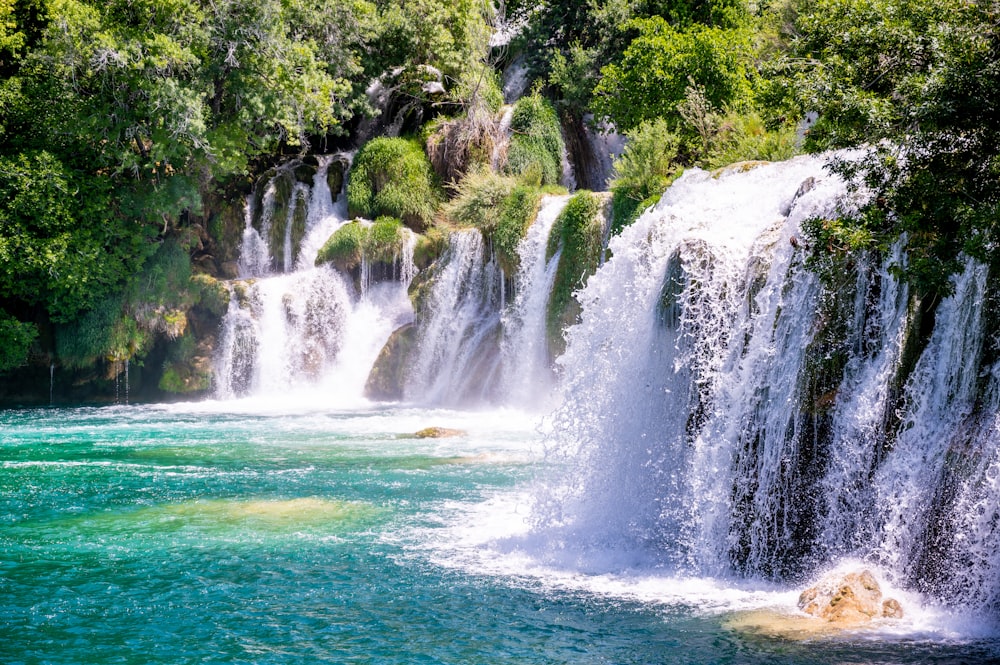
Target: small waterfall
[
  {"x": 289, "y": 330},
  {"x": 459, "y": 339},
  {"x": 527, "y": 378}
]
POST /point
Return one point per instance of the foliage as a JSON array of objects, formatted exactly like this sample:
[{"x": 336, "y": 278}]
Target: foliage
[
  {"x": 16, "y": 338},
  {"x": 357, "y": 241},
  {"x": 392, "y": 176},
  {"x": 645, "y": 168},
  {"x": 59, "y": 247},
  {"x": 500, "y": 207},
  {"x": 536, "y": 147},
  {"x": 345, "y": 248},
  {"x": 578, "y": 235},
  {"x": 653, "y": 75},
  {"x": 924, "y": 77}
]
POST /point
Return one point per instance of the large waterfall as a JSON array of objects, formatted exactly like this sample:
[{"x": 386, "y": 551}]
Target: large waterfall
[{"x": 730, "y": 411}]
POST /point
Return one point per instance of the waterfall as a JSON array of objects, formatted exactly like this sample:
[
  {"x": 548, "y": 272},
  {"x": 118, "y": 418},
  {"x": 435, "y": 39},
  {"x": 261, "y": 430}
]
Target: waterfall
[
  {"x": 527, "y": 378},
  {"x": 297, "y": 327},
  {"x": 734, "y": 408},
  {"x": 681, "y": 379},
  {"x": 459, "y": 334}
]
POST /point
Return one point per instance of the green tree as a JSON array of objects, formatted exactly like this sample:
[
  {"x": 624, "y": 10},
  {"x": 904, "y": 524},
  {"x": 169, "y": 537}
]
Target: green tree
[{"x": 654, "y": 73}]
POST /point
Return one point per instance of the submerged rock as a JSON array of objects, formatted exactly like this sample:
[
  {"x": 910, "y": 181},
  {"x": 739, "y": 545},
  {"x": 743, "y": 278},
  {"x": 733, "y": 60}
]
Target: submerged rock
[
  {"x": 437, "y": 433},
  {"x": 848, "y": 599}
]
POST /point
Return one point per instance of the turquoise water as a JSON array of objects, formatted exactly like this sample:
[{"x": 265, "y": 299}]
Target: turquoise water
[{"x": 206, "y": 534}]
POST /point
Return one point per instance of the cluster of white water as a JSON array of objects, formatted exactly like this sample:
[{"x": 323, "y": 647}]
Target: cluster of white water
[{"x": 304, "y": 328}]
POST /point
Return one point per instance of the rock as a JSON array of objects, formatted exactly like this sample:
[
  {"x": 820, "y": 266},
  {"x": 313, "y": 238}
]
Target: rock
[
  {"x": 848, "y": 599},
  {"x": 388, "y": 375},
  {"x": 437, "y": 433}
]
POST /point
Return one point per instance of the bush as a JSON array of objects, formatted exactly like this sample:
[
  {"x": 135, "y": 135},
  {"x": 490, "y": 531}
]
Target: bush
[
  {"x": 643, "y": 171},
  {"x": 392, "y": 176},
  {"x": 536, "y": 146},
  {"x": 15, "y": 341}
]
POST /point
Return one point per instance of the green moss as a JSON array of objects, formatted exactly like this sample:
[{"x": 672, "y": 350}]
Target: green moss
[
  {"x": 184, "y": 370},
  {"x": 212, "y": 294},
  {"x": 536, "y": 146},
  {"x": 345, "y": 248},
  {"x": 430, "y": 245},
  {"x": 500, "y": 208},
  {"x": 518, "y": 212},
  {"x": 392, "y": 176},
  {"x": 384, "y": 243},
  {"x": 579, "y": 232}
]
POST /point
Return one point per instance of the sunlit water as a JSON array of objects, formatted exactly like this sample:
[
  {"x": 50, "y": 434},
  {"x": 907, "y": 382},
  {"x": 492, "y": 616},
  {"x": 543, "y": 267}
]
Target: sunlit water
[{"x": 283, "y": 533}]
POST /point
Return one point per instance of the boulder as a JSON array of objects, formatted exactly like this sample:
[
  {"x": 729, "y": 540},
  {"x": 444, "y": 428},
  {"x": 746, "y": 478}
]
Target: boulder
[
  {"x": 848, "y": 599},
  {"x": 437, "y": 433}
]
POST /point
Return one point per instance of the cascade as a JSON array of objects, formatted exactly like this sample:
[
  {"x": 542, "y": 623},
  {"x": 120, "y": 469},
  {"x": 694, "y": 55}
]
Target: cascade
[
  {"x": 730, "y": 411},
  {"x": 477, "y": 344},
  {"x": 457, "y": 346},
  {"x": 527, "y": 378},
  {"x": 296, "y": 325}
]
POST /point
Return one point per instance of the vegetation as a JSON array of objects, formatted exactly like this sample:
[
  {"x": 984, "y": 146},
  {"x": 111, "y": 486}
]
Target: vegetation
[
  {"x": 392, "y": 177},
  {"x": 354, "y": 242},
  {"x": 500, "y": 207},
  {"x": 123, "y": 125},
  {"x": 578, "y": 235},
  {"x": 536, "y": 146}
]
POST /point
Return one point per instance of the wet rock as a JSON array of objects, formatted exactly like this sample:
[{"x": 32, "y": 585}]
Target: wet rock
[
  {"x": 437, "y": 433},
  {"x": 388, "y": 375},
  {"x": 848, "y": 599}
]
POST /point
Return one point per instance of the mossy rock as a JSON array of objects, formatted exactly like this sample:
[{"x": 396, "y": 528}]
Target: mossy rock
[
  {"x": 212, "y": 294},
  {"x": 536, "y": 145},
  {"x": 393, "y": 177},
  {"x": 430, "y": 246},
  {"x": 335, "y": 175},
  {"x": 345, "y": 248},
  {"x": 579, "y": 230},
  {"x": 388, "y": 375}
]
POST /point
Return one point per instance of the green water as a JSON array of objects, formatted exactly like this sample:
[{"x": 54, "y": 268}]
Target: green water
[{"x": 195, "y": 535}]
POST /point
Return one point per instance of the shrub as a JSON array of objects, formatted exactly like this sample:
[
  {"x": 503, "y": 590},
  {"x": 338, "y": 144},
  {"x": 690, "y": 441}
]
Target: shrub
[
  {"x": 392, "y": 176},
  {"x": 15, "y": 341},
  {"x": 646, "y": 167},
  {"x": 536, "y": 145}
]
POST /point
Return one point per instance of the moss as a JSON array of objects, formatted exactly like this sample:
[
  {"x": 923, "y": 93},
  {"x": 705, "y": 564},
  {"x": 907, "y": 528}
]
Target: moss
[
  {"x": 579, "y": 232},
  {"x": 212, "y": 294},
  {"x": 430, "y": 245},
  {"x": 345, "y": 248},
  {"x": 518, "y": 212},
  {"x": 185, "y": 370},
  {"x": 536, "y": 146},
  {"x": 392, "y": 176},
  {"x": 384, "y": 243},
  {"x": 299, "y": 219},
  {"x": 500, "y": 208}
]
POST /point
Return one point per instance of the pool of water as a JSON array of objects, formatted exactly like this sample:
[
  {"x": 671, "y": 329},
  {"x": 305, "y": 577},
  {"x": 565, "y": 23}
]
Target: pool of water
[{"x": 238, "y": 533}]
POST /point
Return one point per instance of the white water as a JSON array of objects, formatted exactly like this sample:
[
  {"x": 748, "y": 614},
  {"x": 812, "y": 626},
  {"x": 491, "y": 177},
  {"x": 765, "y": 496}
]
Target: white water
[
  {"x": 459, "y": 332},
  {"x": 527, "y": 377},
  {"x": 305, "y": 331}
]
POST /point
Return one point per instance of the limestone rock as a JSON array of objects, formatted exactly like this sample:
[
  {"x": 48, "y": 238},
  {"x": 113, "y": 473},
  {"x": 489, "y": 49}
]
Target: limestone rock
[
  {"x": 848, "y": 599},
  {"x": 437, "y": 433}
]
